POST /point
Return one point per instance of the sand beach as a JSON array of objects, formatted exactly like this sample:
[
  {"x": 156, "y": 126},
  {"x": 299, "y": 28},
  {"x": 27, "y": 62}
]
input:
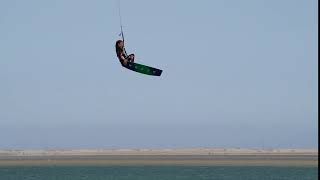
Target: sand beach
[{"x": 181, "y": 156}]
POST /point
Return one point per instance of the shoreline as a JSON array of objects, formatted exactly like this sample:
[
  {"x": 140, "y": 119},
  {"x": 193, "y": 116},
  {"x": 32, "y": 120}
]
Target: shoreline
[
  {"x": 184, "y": 157},
  {"x": 177, "y": 151}
]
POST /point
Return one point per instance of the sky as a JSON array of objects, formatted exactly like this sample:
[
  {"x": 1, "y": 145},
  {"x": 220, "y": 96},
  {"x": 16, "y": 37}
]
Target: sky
[{"x": 235, "y": 74}]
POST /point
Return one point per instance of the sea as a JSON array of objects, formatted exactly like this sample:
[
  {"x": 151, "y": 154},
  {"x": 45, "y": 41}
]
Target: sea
[{"x": 157, "y": 173}]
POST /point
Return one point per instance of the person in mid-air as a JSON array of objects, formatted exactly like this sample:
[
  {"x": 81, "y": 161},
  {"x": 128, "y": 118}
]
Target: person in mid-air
[{"x": 122, "y": 55}]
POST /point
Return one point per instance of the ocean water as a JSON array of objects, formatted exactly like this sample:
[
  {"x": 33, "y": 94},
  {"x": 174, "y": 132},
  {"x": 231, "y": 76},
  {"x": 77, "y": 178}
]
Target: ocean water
[{"x": 156, "y": 173}]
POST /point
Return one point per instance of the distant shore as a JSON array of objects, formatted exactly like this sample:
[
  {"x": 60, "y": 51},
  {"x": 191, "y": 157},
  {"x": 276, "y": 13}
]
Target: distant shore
[{"x": 182, "y": 156}]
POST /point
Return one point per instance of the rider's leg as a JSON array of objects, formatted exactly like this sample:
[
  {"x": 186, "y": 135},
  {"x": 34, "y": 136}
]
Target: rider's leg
[{"x": 131, "y": 57}]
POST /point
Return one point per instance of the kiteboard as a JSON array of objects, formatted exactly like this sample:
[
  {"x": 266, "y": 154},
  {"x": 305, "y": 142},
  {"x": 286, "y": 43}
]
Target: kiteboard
[{"x": 143, "y": 69}]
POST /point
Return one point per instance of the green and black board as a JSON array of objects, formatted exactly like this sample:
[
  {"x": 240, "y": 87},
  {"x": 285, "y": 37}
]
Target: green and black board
[{"x": 140, "y": 68}]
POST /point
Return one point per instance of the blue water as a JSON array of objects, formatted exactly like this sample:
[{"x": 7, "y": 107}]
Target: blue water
[{"x": 156, "y": 173}]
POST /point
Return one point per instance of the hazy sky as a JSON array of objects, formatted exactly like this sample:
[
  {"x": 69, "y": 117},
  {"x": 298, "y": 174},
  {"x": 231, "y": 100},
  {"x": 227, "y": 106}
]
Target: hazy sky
[{"x": 235, "y": 74}]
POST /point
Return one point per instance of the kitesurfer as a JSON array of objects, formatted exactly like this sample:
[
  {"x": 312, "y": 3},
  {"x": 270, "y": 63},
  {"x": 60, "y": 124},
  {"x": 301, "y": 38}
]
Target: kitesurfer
[{"x": 122, "y": 55}]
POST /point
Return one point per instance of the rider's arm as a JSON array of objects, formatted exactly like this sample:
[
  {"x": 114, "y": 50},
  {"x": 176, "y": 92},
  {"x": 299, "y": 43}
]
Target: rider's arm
[{"x": 123, "y": 58}]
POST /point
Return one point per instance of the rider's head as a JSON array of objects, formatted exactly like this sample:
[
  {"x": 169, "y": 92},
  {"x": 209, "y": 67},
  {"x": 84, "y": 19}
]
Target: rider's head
[{"x": 119, "y": 44}]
